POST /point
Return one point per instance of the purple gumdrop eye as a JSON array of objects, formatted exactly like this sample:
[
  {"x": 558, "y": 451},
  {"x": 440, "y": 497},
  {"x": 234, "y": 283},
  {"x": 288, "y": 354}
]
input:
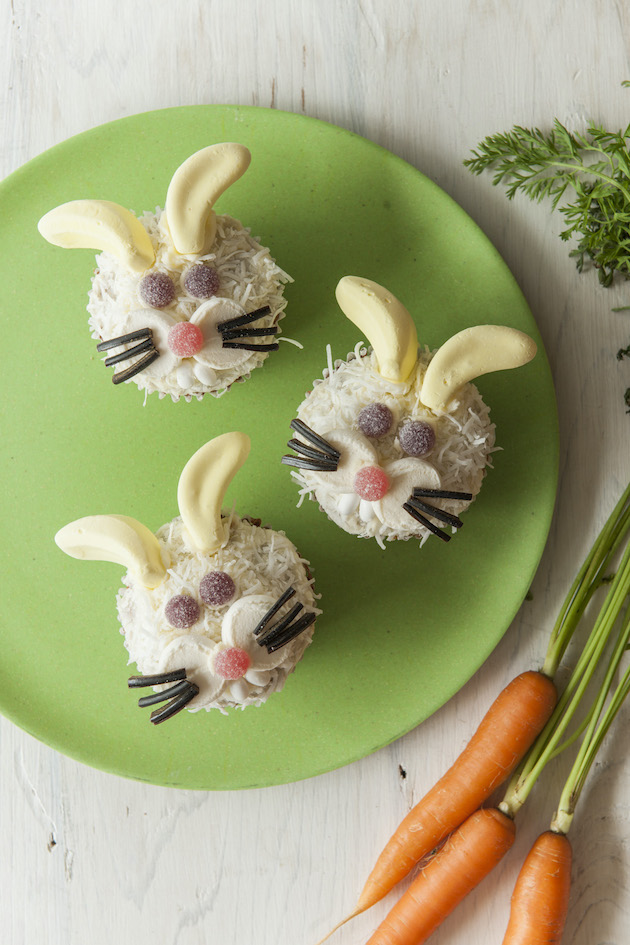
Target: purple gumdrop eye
[
  {"x": 156, "y": 289},
  {"x": 202, "y": 282},
  {"x": 217, "y": 588},
  {"x": 417, "y": 438},
  {"x": 375, "y": 420},
  {"x": 182, "y": 611}
]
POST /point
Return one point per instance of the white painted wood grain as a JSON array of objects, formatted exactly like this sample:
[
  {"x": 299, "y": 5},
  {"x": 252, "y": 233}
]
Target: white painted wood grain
[{"x": 90, "y": 857}]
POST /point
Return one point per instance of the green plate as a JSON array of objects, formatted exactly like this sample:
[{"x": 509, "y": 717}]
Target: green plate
[{"x": 402, "y": 629}]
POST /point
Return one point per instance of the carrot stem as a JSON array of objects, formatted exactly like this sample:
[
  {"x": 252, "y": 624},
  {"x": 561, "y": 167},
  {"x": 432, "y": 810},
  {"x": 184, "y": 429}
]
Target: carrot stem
[
  {"x": 598, "y": 727},
  {"x": 589, "y": 578},
  {"x": 546, "y": 746}
]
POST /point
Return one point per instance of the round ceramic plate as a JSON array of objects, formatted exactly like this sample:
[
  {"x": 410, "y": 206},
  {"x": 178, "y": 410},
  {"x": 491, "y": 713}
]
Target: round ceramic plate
[{"x": 403, "y": 629}]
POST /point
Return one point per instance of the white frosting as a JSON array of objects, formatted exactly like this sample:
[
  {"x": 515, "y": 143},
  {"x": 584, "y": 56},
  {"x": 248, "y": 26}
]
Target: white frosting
[
  {"x": 457, "y": 462},
  {"x": 262, "y": 563},
  {"x": 249, "y": 279}
]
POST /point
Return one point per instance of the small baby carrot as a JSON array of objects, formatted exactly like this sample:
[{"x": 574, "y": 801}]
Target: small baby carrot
[
  {"x": 469, "y": 854},
  {"x": 540, "y": 901},
  {"x": 519, "y": 735},
  {"x": 505, "y": 734},
  {"x": 502, "y": 739}
]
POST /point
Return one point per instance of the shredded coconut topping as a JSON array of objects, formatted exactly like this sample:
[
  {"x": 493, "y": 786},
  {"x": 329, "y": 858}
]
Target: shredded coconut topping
[
  {"x": 248, "y": 275},
  {"x": 465, "y": 439},
  {"x": 260, "y": 561}
]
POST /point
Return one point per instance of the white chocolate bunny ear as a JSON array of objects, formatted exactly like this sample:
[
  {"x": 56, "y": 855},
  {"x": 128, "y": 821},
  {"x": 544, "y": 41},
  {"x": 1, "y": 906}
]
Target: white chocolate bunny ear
[
  {"x": 202, "y": 486},
  {"x": 469, "y": 354},
  {"x": 386, "y": 323},
  {"x": 194, "y": 189},
  {"x": 116, "y": 538},
  {"x": 99, "y": 224}
]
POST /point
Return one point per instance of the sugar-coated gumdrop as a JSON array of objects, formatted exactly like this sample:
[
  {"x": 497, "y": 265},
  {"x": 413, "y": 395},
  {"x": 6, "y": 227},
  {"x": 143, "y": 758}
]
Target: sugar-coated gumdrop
[
  {"x": 232, "y": 663},
  {"x": 202, "y": 282},
  {"x": 375, "y": 420},
  {"x": 371, "y": 483},
  {"x": 185, "y": 339},
  {"x": 182, "y": 611},
  {"x": 217, "y": 588},
  {"x": 417, "y": 438},
  {"x": 156, "y": 289}
]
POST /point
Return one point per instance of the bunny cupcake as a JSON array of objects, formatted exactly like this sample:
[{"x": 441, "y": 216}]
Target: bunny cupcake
[
  {"x": 215, "y": 610},
  {"x": 393, "y": 443},
  {"x": 183, "y": 302}
]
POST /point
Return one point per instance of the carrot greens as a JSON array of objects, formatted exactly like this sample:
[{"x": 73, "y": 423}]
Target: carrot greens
[
  {"x": 592, "y": 171},
  {"x": 586, "y": 177}
]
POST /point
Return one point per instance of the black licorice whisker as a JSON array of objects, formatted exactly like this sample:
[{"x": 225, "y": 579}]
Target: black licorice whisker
[
  {"x": 165, "y": 695},
  {"x": 243, "y": 319},
  {"x": 145, "y": 337},
  {"x": 310, "y": 451},
  {"x": 423, "y": 520},
  {"x": 139, "y": 682},
  {"x": 292, "y": 632},
  {"x": 124, "y": 339},
  {"x": 136, "y": 368},
  {"x": 300, "y": 427},
  {"x": 441, "y": 494},
  {"x": 288, "y": 594},
  {"x": 245, "y": 346},
  {"x": 233, "y": 333},
  {"x": 278, "y": 628},
  {"x": 146, "y": 345},
  {"x": 175, "y": 705},
  {"x": 434, "y": 512},
  {"x": 303, "y": 462}
]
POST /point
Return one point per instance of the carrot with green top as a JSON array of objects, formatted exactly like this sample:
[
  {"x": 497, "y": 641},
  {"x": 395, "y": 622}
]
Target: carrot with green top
[
  {"x": 540, "y": 901},
  {"x": 505, "y": 734},
  {"x": 524, "y": 713},
  {"x": 468, "y": 856}
]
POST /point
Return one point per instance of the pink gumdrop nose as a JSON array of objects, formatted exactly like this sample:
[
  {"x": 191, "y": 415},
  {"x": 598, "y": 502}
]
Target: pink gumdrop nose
[
  {"x": 185, "y": 339},
  {"x": 232, "y": 663},
  {"x": 371, "y": 483}
]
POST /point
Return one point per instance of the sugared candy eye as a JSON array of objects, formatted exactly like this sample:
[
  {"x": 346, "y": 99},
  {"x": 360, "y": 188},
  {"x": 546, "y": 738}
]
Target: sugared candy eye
[
  {"x": 375, "y": 420},
  {"x": 185, "y": 339},
  {"x": 182, "y": 611},
  {"x": 217, "y": 588},
  {"x": 232, "y": 663},
  {"x": 202, "y": 282},
  {"x": 156, "y": 289},
  {"x": 371, "y": 483},
  {"x": 417, "y": 438}
]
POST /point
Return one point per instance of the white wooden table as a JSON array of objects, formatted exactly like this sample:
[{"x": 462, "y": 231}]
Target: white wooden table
[{"x": 88, "y": 857}]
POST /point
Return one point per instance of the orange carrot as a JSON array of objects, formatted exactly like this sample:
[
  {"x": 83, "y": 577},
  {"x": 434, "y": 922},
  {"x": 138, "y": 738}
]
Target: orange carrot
[
  {"x": 540, "y": 900},
  {"x": 469, "y": 854},
  {"x": 504, "y": 735}
]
